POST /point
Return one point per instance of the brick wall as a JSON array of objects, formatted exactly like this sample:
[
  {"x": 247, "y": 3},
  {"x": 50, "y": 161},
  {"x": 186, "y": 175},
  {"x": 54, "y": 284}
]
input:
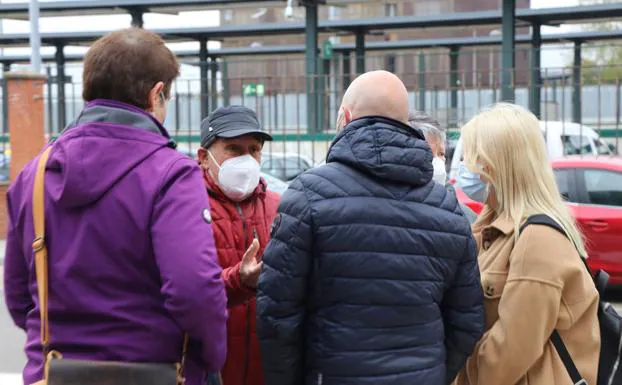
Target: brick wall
[
  {"x": 26, "y": 118},
  {"x": 3, "y": 212},
  {"x": 26, "y": 127}
]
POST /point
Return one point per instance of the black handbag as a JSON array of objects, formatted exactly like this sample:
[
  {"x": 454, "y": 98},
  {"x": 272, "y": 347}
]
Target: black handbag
[{"x": 59, "y": 371}]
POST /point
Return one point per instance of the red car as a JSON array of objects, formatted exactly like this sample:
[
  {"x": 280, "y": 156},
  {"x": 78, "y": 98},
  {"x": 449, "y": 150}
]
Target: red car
[
  {"x": 592, "y": 187},
  {"x": 465, "y": 200}
]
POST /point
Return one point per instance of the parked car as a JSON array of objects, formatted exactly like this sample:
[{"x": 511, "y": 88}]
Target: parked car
[
  {"x": 465, "y": 200},
  {"x": 285, "y": 166},
  {"x": 5, "y": 163},
  {"x": 592, "y": 186},
  {"x": 562, "y": 139},
  {"x": 275, "y": 184}
]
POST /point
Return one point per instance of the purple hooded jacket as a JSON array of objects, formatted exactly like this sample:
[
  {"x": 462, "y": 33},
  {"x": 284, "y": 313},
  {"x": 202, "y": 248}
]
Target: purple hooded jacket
[{"x": 132, "y": 260}]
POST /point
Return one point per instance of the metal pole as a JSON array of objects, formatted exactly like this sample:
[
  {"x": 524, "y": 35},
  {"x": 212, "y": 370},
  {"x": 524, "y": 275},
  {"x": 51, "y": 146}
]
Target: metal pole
[
  {"x": 576, "y": 83},
  {"x": 137, "y": 18},
  {"x": 323, "y": 94},
  {"x": 454, "y": 56},
  {"x": 50, "y": 102},
  {"x": 1, "y": 32},
  {"x": 224, "y": 71},
  {"x": 507, "y": 50},
  {"x": 422, "y": 78},
  {"x": 213, "y": 88},
  {"x": 536, "y": 78},
  {"x": 359, "y": 48},
  {"x": 203, "y": 71},
  {"x": 60, "y": 84},
  {"x": 35, "y": 38},
  {"x": 345, "y": 63},
  {"x": 6, "y": 67},
  {"x": 311, "y": 37}
]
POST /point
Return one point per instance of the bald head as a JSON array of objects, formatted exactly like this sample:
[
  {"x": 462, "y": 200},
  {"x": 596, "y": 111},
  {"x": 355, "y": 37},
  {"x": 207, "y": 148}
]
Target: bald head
[{"x": 375, "y": 93}]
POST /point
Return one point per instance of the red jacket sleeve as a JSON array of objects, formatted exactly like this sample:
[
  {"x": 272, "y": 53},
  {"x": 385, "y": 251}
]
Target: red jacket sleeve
[{"x": 237, "y": 292}]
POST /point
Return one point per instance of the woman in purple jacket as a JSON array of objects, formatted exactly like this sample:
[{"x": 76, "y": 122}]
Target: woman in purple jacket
[{"x": 132, "y": 261}]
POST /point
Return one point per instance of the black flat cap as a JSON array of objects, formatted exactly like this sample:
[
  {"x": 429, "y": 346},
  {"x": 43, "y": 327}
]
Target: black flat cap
[{"x": 231, "y": 122}]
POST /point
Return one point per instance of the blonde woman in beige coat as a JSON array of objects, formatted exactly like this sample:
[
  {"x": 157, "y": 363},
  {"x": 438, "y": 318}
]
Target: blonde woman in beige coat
[{"x": 533, "y": 283}]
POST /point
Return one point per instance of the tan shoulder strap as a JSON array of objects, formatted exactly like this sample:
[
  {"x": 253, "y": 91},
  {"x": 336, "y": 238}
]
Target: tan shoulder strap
[
  {"x": 41, "y": 261},
  {"x": 40, "y": 249}
]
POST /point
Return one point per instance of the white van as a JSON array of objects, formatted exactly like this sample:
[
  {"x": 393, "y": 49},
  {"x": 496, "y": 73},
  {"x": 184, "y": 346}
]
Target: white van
[{"x": 562, "y": 138}]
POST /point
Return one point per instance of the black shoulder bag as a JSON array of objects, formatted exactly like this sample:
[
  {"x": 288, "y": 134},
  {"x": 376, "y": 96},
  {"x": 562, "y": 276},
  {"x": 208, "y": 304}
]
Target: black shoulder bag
[{"x": 610, "y": 322}]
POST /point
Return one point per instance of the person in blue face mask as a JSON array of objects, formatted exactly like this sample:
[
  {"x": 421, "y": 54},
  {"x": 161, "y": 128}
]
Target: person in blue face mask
[
  {"x": 435, "y": 137},
  {"x": 471, "y": 184},
  {"x": 538, "y": 294}
]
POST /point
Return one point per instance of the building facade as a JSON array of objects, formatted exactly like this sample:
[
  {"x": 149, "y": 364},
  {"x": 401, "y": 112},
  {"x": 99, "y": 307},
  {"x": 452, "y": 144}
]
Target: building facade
[{"x": 478, "y": 67}]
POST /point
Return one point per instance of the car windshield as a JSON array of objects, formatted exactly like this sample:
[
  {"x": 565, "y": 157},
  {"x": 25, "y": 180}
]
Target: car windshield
[
  {"x": 577, "y": 145},
  {"x": 602, "y": 148}
]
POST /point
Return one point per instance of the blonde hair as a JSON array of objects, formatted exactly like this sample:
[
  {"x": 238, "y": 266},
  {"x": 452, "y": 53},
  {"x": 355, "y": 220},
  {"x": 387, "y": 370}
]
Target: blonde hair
[{"x": 507, "y": 138}]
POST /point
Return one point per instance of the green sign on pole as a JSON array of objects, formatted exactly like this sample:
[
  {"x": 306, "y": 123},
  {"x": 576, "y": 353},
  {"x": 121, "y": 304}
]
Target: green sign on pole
[
  {"x": 328, "y": 49},
  {"x": 253, "y": 89}
]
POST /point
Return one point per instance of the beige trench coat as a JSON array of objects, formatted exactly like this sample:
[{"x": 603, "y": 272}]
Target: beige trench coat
[{"x": 532, "y": 287}]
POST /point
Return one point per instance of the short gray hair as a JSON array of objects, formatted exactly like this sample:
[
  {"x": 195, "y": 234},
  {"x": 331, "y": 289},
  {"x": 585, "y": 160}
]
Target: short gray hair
[{"x": 430, "y": 127}]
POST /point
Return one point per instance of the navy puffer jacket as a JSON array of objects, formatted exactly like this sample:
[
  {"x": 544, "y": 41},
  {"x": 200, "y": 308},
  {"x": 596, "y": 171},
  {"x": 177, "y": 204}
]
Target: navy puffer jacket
[{"x": 371, "y": 276}]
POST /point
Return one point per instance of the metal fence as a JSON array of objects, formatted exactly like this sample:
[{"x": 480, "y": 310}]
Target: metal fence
[{"x": 280, "y": 97}]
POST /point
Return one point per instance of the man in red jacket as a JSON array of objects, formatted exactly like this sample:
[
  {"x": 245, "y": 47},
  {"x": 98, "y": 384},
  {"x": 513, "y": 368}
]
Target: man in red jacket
[{"x": 242, "y": 212}]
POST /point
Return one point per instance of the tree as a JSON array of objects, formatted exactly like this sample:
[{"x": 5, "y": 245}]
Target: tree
[
  {"x": 601, "y": 72},
  {"x": 601, "y": 62}
]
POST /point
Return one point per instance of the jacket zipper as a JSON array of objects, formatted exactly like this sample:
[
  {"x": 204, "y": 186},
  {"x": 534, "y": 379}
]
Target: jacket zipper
[{"x": 248, "y": 306}]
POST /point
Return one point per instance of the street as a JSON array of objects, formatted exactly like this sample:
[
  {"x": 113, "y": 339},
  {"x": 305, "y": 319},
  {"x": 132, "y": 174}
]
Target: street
[{"x": 12, "y": 339}]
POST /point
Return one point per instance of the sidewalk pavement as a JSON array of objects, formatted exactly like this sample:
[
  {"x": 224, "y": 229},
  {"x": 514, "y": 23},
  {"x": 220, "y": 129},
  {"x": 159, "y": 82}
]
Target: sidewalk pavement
[
  {"x": 11, "y": 379},
  {"x": 2, "y": 247}
]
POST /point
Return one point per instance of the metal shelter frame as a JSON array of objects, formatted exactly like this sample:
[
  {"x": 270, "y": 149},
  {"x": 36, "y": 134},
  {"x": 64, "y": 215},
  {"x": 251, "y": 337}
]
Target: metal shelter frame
[
  {"x": 392, "y": 45},
  {"x": 506, "y": 17},
  {"x": 135, "y": 8},
  {"x": 454, "y": 46}
]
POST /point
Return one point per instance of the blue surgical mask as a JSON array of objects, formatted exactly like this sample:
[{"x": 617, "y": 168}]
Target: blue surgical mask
[{"x": 471, "y": 184}]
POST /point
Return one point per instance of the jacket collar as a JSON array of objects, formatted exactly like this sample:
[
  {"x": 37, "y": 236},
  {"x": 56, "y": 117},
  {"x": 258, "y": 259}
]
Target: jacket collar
[
  {"x": 114, "y": 112},
  {"x": 384, "y": 148},
  {"x": 503, "y": 223}
]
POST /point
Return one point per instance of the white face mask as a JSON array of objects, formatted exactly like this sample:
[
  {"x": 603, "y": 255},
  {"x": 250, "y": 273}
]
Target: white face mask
[
  {"x": 440, "y": 172},
  {"x": 238, "y": 177}
]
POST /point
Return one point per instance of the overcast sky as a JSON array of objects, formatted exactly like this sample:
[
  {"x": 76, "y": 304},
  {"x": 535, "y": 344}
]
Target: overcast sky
[{"x": 552, "y": 57}]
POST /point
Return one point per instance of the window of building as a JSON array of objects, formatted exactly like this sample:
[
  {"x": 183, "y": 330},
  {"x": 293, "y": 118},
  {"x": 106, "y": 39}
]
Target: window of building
[
  {"x": 227, "y": 15},
  {"x": 604, "y": 187},
  {"x": 408, "y": 8},
  {"x": 390, "y": 9},
  {"x": 428, "y": 7},
  {"x": 334, "y": 13}
]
